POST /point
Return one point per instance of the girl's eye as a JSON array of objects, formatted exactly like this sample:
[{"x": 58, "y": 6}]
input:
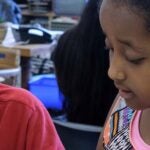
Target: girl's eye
[{"x": 136, "y": 61}]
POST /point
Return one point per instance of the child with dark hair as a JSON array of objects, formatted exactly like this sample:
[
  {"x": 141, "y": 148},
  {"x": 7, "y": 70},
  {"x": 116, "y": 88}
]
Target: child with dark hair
[
  {"x": 126, "y": 24},
  {"x": 81, "y": 64}
]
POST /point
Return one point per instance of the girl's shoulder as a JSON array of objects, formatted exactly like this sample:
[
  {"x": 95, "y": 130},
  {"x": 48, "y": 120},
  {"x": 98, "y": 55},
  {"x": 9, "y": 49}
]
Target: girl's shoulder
[{"x": 116, "y": 130}]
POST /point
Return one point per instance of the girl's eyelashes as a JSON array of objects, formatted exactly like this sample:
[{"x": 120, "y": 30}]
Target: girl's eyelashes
[{"x": 136, "y": 61}]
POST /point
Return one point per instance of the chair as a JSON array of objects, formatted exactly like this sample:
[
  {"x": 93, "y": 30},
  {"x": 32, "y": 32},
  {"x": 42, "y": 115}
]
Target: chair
[{"x": 77, "y": 136}]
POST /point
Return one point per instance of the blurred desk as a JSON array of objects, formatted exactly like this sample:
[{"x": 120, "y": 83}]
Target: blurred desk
[
  {"x": 26, "y": 52},
  {"x": 43, "y": 50},
  {"x": 27, "y": 12},
  {"x": 44, "y": 19}
]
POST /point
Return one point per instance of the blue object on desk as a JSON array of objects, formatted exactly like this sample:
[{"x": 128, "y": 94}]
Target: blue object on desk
[{"x": 45, "y": 87}]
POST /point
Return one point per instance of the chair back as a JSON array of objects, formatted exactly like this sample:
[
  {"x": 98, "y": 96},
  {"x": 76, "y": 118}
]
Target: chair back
[{"x": 77, "y": 136}]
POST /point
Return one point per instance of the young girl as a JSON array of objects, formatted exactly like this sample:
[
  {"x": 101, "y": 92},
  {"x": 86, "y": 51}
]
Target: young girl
[{"x": 126, "y": 24}]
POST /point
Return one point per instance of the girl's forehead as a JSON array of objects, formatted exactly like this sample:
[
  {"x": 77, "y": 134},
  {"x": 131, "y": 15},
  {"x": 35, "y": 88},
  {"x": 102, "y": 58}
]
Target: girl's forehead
[
  {"x": 107, "y": 7},
  {"x": 118, "y": 5},
  {"x": 121, "y": 24},
  {"x": 120, "y": 17},
  {"x": 106, "y": 4}
]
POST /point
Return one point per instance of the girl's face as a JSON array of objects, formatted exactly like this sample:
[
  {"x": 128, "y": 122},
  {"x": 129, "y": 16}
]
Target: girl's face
[{"x": 129, "y": 46}]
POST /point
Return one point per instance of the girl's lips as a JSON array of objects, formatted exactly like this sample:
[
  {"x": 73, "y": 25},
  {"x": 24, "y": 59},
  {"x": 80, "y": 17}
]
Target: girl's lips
[{"x": 126, "y": 94}]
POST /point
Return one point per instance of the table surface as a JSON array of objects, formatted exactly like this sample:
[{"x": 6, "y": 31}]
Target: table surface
[
  {"x": 28, "y": 50},
  {"x": 31, "y": 49}
]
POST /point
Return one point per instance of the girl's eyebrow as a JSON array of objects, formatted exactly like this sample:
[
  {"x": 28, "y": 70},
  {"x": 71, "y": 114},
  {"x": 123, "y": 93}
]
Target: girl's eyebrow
[
  {"x": 126, "y": 42},
  {"x": 130, "y": 44}
]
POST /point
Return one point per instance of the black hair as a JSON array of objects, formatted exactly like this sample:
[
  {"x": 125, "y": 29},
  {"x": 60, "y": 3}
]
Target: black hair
[
  {"x": 81, "y": 67},
  {"x": 139, "y": 7}
]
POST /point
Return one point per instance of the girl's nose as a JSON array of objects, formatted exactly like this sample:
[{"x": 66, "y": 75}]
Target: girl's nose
[{"x": 116, "y": 71}]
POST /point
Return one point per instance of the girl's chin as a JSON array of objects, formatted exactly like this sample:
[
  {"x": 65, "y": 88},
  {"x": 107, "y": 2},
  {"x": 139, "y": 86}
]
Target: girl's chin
[{"x": 134, "y": 104}]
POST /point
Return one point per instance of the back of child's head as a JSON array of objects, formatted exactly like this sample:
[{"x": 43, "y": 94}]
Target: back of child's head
[{"x": 81, "y": 67}]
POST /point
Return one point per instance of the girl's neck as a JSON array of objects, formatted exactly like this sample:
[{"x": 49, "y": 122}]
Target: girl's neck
[{"x": 144, "y": 126}]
